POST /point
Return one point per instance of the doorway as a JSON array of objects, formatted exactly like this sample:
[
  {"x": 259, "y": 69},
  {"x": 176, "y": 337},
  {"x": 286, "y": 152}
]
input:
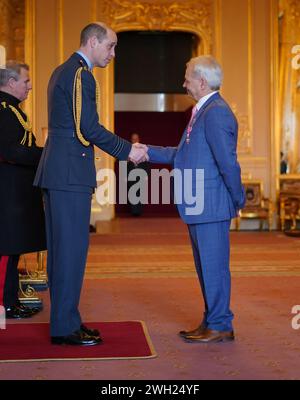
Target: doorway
[{"x": 149, "y": 97}]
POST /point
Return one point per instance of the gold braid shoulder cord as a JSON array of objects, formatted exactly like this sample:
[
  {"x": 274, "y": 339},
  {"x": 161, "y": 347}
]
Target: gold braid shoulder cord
[
  {"x": 25, "y": 124},
  {"x": 77, "y": 103}
]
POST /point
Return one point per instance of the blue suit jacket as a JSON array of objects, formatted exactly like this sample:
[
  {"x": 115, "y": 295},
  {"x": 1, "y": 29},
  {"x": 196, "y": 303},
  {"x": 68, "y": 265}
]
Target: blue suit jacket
[
  {"x": 212, "y": 148},
  {"x": 66, "y": 164}
]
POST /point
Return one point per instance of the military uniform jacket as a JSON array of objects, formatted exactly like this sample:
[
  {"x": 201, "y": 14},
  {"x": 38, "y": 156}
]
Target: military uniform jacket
[
  {"x": 22, "y": 227},
  {"x": 66, "y": 163}
]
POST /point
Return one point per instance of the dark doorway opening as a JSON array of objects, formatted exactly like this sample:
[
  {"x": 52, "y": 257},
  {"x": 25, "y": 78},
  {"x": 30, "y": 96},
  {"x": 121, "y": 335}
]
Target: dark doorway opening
[{"x": 149, "y": 97}]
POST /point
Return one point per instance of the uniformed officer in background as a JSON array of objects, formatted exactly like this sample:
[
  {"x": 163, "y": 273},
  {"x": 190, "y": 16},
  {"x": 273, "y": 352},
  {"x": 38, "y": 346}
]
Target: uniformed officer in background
[
  {"x": 67, "y": 174},
  {"x": 22, "y": 226}
]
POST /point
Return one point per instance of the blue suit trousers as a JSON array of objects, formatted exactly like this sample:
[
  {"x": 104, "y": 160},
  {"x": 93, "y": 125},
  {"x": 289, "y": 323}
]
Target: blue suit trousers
[
  {"x": 67, "y": 228},
  {"x": 210, "y": 243}
]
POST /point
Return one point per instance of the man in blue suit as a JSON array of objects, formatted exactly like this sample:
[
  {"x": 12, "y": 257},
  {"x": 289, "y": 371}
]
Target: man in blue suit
[
  {"x": 208, "y": 150},
  {"x": 67, "y": 175}
]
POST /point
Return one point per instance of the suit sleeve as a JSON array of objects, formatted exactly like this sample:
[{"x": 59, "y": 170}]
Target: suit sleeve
[
  {"x": 221, "y": 135},
  {"x": 90, "y": 127},
  {"x": 10, "y": 148},
  {"x": 163, "y": 155}
]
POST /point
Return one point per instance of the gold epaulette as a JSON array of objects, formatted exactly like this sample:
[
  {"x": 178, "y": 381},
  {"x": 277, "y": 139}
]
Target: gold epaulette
[
  {"x": 25, "y": 124},
  {"x": 2, "y": 105},
  {"x": 77, "y": 103}
]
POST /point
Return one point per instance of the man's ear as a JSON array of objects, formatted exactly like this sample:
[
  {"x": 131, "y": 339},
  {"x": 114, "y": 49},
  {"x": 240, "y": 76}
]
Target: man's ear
[
  {"x": 203, "y": 83},
  {"x": 11, "y": 82},
  {"x": 93, "y": 41}
]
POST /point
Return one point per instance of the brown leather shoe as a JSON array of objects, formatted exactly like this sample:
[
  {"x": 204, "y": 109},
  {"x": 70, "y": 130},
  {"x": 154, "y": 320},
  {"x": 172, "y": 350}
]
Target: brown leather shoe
[
  {"x": 198, "y": 331},
  {"x": 211, "y": 336}
]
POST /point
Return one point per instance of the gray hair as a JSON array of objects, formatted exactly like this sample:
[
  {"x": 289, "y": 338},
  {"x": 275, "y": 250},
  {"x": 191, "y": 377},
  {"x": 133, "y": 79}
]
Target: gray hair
[
  {"x": 208, "y": 68},
  {"x": 97, "y": 29},
  {"x": 12, "y": 69}
]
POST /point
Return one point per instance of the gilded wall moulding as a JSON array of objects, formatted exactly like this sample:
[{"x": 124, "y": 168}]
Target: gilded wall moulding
[
  {"x": 12, "y": 21},
  {"x": 191, "y": 16},
  {"x": 294, "y": 8},
  {"x": 244, "y": 138},
  {"x": 4, "y": 21},
  {"x": 290, "y": 11}
]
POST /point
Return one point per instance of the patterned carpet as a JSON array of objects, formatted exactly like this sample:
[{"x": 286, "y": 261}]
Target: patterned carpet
[
  {"x": 143, "y": 247},
  {"x": 132, "y": 247}
]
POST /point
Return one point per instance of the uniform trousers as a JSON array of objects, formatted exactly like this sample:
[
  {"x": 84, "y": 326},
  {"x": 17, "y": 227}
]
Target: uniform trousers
[{"x": 67, "y": 228}]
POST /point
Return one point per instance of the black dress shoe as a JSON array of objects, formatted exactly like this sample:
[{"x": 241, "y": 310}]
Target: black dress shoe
[
  {"x": 17, "y": 312},
  {"x": 90, "y": 332},
  {"x": 33, "y": 310},
  {"x": 77, "y": 338}
]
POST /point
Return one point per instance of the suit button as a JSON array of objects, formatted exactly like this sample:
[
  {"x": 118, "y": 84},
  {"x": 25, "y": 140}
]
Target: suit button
[{"x": 83, "y": 154}]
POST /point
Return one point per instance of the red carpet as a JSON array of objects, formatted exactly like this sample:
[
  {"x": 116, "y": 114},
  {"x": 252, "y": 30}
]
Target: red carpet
[{"x": 30, "y": 342}]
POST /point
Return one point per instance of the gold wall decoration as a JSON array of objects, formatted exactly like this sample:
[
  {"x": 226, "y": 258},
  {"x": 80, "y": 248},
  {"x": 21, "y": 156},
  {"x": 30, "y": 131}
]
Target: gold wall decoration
[
  {"x": 5, "y": 18},
  {"x": 193, "y": 16},
  {"x": 60, "y": 13},
  {"x": 274, "y": 100},
  {"x": 18, "y": 24},
  {"x": 218, "y": 29},
  {"x": 246, "y": 122},
  {"x": 245, "y": 136},
  {"x": 12, "y": 26},
  {"x": 289, "y": 83}
]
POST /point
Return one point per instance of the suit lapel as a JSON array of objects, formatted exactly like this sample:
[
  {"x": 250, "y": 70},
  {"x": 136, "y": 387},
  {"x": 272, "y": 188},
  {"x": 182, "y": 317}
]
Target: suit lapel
[{"x": 216, "y": 96}]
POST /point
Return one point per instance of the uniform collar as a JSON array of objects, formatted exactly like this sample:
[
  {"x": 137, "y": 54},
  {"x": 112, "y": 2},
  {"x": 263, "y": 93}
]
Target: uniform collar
[
  {"x": 8, "y": 98},
  {"x": 86, "y": 59}
]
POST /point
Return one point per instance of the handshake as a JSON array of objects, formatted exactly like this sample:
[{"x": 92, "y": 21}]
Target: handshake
[{"x": 138, "y": 153}]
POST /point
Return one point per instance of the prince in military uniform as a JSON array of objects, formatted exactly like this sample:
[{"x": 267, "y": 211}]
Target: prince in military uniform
[
  {"x": 67, "y": 175},
  {"x": 22, "y": 226}
]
